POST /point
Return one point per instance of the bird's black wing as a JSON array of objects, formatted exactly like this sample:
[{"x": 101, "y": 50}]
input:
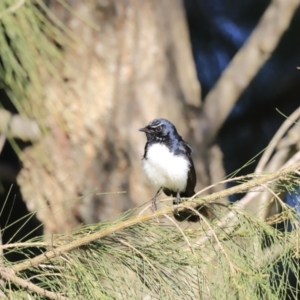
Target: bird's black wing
[{"x": 192, "y": 179}]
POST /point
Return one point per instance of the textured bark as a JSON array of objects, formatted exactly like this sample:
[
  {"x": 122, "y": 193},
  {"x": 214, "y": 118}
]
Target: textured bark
[{"x": 135, "y": 67}]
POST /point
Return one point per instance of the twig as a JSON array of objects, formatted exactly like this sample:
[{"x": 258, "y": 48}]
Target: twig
[
  {"x": 25, "y": 244},
  {"x": 43, "y": 266},
  {"x": 275, "y": 163},
  {"x": 245, "y": 65},
  {"x": 12, "y": 8},
  {"x": 9, "y": 275},
  {"x": 276, "y": 138},
  {"x": 54, "y": 253},
  {"x": 244, "y": 177},
  {"x": 248, "y": 176},
  {"x": 270, "y": 164},
  {"x": 295, "y": 158}
]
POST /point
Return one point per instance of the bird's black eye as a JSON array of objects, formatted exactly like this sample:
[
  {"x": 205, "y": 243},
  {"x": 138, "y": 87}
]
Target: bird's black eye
[{"x": 158, "y": 129}]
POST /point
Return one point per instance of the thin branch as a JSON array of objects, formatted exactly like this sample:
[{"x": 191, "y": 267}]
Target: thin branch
[
  {"x": 8, "y": 274},
  {"x": 54, "y": 253},
  {"x": 243, "y": 177},
  {"x": 12, "y": 8},
  {"x": 25, "y": 244},
  {"x": 285, "y": 137},
  {"x": 245, "y": 65},
  {"x": 43, "y": 266},
  {"x": 262, "y": 209},
  {"x": 276, "y": 139},
  {"x": 295, "y": 158}
]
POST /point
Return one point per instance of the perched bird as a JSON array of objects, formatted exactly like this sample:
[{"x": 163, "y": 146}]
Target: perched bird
[{"x": 167, "y": 161}]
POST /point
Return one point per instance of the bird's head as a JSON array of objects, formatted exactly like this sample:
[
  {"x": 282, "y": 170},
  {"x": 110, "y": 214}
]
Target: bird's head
[{"x": 159, "y": 129}]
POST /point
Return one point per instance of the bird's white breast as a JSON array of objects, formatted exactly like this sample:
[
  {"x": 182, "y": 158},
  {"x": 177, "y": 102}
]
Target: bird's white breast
[{"x": 164, "y": 169}]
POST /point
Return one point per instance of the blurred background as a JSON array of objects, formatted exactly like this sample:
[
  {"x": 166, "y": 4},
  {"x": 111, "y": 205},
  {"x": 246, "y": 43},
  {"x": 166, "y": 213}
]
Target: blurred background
[{"x": 79, "y": 78}]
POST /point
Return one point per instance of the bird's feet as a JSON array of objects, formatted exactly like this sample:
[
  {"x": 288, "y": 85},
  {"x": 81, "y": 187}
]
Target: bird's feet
[
  {"x": 177, "y": 200},
  {"x": 154, "y": 206}
]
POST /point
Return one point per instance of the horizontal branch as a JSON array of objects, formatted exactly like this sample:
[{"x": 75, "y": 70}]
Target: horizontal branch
[{"x": 257, "y": 181}]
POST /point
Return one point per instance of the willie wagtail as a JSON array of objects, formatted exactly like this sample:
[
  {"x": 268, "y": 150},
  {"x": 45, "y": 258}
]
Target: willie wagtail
[{"x": 167, "y": 161}]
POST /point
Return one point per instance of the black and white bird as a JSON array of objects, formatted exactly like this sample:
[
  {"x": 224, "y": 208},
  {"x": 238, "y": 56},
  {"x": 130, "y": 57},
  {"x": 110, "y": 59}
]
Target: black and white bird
[{"x": 167, "y": 161}]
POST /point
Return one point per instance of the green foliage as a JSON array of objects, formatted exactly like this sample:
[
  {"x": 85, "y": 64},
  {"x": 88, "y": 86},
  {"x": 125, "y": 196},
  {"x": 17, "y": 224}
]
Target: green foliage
[
  {"x": 160, "y": 260},
  {"x": 29, "y": 36},
  {"x": 237, "y": 255}
]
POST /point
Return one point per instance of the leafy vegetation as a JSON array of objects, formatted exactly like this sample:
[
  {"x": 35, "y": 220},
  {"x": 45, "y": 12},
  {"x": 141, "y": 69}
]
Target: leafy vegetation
[{"x": 153, "y": 257}]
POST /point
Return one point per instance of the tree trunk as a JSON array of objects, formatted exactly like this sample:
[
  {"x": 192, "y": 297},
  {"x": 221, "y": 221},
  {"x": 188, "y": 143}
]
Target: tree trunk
[{"x": 132, "y": 63}]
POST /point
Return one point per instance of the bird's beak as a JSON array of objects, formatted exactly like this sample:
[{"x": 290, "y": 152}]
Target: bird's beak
[{"x": 145, "y": 129}]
